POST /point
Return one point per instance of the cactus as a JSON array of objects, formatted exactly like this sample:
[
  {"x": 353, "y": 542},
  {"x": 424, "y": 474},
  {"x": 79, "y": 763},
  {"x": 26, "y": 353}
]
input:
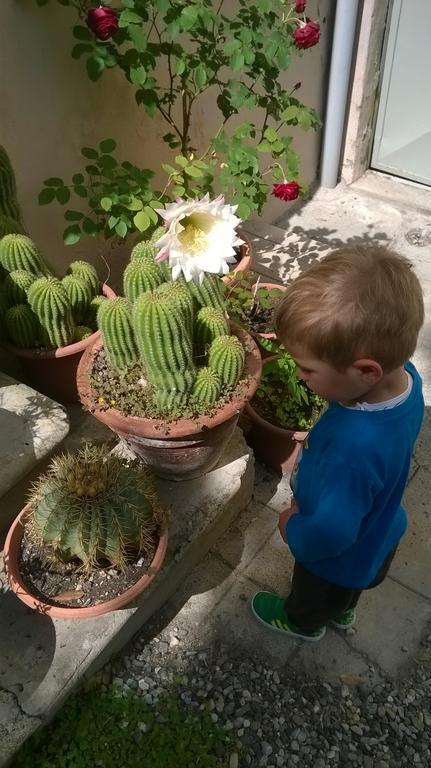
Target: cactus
[
  {"x": 115, "y": 324},
  {"x": 164, "y": 343},
  {"x": 22, "y": 326},
  {"x": 146, "y": 249},
  {"x": 8, "y": 201},
  {"x": 209, "y": 293},
  {"x": 16, "y": 285},
  {"x": 79, "y": 295},
  {"x": 171, "y": 400},
  {"x": 9, "y": 226},
  {"x": 177, "y": 295},
  {"x": 19, "y": 252},
  {"x": 209, "y": 324},
  {"x": 93, "y": 508},
  {"x": 207, "y": 386},
  {"x": 49, "y": 301},
  {"x": 81, "y": 332},
  {"x": 140, "y": 276},
  {"x": 226, "y": 357},
  {"x": 87, "y": 273},
  {"x": 93, "y": 308}
]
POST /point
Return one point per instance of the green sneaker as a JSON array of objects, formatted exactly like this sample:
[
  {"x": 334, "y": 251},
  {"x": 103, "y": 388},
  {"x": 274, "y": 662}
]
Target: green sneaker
[
  {"x": 268, "y": 608},
  {"x": 345, "y": 620}
]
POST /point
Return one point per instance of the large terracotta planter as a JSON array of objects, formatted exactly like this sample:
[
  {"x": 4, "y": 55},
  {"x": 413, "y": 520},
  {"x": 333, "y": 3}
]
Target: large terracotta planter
[
  {"x": 11, "y": 559},
  {"x": 275, "y": 446},
  {"x": 243, "y": 265},
  {"x": 270, "y": 336},
  {"x": 53, "y": 371},
  {"x": 182, "y": 449}
]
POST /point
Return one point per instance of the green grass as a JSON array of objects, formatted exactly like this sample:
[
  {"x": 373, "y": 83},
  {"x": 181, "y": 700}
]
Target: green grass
[{"x": 102, "y": 729}]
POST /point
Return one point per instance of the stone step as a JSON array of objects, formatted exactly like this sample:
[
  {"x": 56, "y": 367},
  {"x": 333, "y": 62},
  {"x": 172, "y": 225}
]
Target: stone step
[{"x": 42, "y": 660}]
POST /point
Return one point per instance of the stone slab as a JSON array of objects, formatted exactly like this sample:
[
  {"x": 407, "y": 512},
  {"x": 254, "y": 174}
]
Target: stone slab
[{"x": 42, "y": 660}]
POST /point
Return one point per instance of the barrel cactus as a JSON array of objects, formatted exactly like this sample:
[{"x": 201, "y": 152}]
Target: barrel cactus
[
  {"x": 93, "y": 508},
  {"x": 16, "y": 285},
  {"x": 115, "y": 324},
  {"x": 146, "y": 249},
  {"x": 209, "y": 293},
  {"x": 81, "y": 332},
  {"x": 22, "y": 326},
  {"x": 164, "y": 344},
  {"x": 226, "y": 357},
  {"x": 19, "y": 252},
  {"x": 140, "y": 276},
  {"x": 87, "y": 273},
  {"x": 93, "y": 308},
  {"x": 207, "y": 386},
  {"x": 209, "y": 324},
  {"x": 50, "y": 303},
  {"x": 8, "y": 200},
  {"x": 79, "y": 295}
]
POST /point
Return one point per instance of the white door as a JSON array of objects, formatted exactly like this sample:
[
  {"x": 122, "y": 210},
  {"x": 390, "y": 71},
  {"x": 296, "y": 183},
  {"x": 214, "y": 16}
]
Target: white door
[{"x": 402, "y": 141}]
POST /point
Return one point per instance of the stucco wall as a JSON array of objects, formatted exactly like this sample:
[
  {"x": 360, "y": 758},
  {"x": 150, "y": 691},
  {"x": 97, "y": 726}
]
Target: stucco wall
[{"x": 50, "y": 110}]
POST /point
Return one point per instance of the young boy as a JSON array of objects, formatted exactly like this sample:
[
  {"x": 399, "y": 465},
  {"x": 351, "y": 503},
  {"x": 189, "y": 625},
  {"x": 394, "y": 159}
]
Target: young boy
[{"x": 351, "y": 323}]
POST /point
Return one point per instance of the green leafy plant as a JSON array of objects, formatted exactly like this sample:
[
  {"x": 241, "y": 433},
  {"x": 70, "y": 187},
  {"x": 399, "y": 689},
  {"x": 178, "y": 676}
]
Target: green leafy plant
[
  {"x": 248, "y": 304},
  {"x": 281, "y": 397},
  {"x": 177, "y": 54}
]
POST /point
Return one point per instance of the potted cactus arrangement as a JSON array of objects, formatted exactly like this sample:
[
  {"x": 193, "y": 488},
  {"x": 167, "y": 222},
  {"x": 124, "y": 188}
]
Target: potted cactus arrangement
[
  {"x": 169, "y": 374},
  {"x": 250, "y": 303},
  {"x": 91, "y": 538},
  {"x": 47, "y": 322}
]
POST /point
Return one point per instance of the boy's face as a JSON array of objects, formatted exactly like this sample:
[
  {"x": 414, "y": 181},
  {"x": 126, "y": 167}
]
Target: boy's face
[{"x": 346, "y": 386}]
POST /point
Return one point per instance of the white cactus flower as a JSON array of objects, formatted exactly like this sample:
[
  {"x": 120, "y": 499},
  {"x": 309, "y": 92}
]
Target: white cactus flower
[{"x": 200, "y": 237}]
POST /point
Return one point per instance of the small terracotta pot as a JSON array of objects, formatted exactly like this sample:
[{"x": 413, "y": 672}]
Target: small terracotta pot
[
  {"x": 182, "y": 449},
  {"x": 246, "y": 254},
  {"x": 11, "y": 559},
  {"x": 53, "y": 371},
  {"x": 274, "y": 446},
  {"x": 271, "y": 336}
]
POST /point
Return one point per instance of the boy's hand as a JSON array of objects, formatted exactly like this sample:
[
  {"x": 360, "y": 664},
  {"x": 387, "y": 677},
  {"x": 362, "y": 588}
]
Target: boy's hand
[{"x": 284, "y": 517}]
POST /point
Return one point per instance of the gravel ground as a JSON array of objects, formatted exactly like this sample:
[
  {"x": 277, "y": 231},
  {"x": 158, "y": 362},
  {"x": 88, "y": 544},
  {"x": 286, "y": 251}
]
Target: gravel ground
[{"x": 278, "y": 718}]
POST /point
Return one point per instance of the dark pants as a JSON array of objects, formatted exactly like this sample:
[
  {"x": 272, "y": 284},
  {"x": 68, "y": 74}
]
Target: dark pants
[{"x": 313, "y": 601}]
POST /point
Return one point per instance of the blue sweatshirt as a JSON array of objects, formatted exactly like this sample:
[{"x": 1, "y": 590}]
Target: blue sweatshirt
[{"x": 348, "y": 484}]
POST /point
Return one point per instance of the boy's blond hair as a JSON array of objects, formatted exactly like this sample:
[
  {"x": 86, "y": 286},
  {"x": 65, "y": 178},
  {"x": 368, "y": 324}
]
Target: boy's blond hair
[{"x": 360, "y": 302}]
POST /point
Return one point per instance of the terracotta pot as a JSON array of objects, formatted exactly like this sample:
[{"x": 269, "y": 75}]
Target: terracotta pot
[
  {"x": 182, "y": 449},
  {"x": 11, "y": 559},
  {"x": 53, "y": 371},
  {"x": 271, "y": 336},
  {"x": 244, "y": 263},
  {"x": 274, "y": 446}
]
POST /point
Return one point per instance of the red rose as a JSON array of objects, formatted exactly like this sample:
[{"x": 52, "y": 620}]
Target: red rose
[
  {"x": 103, "y": 22},
  {"x": 300, "y": 6},
  {"x": 307, "y": 34},
  {"x": 288, "y": 190}
]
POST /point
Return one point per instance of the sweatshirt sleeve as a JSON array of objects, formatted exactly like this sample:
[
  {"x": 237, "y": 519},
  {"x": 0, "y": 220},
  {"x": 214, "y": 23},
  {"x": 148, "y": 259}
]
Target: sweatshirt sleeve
[{"x": 332, "y": 526}]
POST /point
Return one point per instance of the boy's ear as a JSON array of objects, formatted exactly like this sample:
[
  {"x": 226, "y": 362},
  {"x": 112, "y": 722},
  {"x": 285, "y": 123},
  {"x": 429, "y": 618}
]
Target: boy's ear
[{"x": 370, "y": 370}]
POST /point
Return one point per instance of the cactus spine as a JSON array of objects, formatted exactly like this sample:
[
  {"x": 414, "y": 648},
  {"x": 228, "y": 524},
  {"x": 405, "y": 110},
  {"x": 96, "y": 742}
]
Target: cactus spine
[
  {"x": 226, "y": 357},
  {"x": 209, "y": 293},
  {"x": 209, "y": 324},
  {"x": 165, "y": 346},
  {"x": 207, "y": 386},
  {"x": 19, "y": 252},
  {"x": 140, "y": 276},
  {"x": 8, "y": 200},
  {"x": 16, "y": 286},
  {"x": 49, "y": 301},
  {"x": 87, "y": 273},
  {"x": 79, "y": 295},
  {"x": 115, "y": 324},
  {"x": 22, "y": 326},
  {"x": 95, "y": 508}
]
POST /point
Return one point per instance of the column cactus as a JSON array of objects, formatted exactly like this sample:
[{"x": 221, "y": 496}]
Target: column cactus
[
  {"x": 8, "y": 200},
  {"x": 176, "y": 294},
  {"x": 49, "y": 301},
  {"x": 9, "y": 226},
  {"x": 164, "y": 343},
  {"x": 209, "y": 293},
  {"x": 207, "y": 386},
  {"x": 93, "y": 308},
  {"x": 79, "y": 294},
  {"x": 22, "y": 326},
  {"x": 141, "y": 275},
  {"x": 209, "y": 324},
  {"x": 87, "y": 273},
  {"x": 19, "y": 252},
  {"x": 226, "y": 357},
  {"x": 145, "y": 249},
  {"x": 16, "y": 286},
  {"x": 115, "y": 324}
]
